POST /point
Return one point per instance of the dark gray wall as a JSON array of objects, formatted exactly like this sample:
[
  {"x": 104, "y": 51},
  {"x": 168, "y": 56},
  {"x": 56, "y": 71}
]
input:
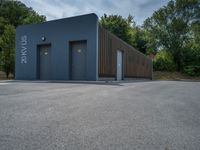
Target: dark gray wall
[{"x": 58, "y": 33}]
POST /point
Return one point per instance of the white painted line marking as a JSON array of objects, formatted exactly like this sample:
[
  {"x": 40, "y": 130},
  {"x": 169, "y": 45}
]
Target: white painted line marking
[{"x": 4, "y": 83}]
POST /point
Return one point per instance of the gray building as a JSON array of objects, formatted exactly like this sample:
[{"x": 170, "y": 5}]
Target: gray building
[{"x": 69, "y": 49}]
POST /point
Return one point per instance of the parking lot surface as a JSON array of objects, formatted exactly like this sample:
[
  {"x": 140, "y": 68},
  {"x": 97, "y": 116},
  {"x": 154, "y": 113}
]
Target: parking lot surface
[{"x": 154, "y": 115}]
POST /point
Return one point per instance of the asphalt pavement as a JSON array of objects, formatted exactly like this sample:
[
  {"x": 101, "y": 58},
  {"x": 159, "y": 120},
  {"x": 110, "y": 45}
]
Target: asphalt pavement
[{"x": 144, "y": 115}]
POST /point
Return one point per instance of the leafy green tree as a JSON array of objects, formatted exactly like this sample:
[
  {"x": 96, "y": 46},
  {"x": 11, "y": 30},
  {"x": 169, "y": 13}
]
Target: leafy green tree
[
  {"x": 34, "y": 19},
  {"x": 150, "y": 43},
  {"x": 17, "y": 13},
  {"x": 141, "y": 40},
  {"x": 191, "y": 58},
  {"x": 3, "y": 22},
  {"x": 126, "y": 29},
  {"x": 163, "y": 61},
  {"x": 117, "y": 25},
  {"x": 170, "y": 27},
  {"x": 7, "y": 44}
]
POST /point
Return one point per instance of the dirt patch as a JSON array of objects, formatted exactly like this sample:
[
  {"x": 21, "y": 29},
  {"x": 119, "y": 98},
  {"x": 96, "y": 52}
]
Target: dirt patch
[
  {"x": 176, "y": 76},
  {"x": 3, "y": 76}
]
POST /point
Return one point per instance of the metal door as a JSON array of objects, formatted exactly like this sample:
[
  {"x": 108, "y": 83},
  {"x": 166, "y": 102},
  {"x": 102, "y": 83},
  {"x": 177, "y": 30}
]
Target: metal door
[
  {"x": 44, "y": 62},
  {"x": 119, "y": 65},
  {"x": 78, "y": 63}
]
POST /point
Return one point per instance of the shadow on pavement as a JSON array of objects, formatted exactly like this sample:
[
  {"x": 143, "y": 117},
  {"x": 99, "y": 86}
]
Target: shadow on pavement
[{"x": 110, "y": 82}]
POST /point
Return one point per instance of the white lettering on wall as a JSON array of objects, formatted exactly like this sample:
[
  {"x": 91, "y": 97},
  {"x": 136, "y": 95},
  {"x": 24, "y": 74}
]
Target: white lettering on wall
[{"x": 23, "y": 51}]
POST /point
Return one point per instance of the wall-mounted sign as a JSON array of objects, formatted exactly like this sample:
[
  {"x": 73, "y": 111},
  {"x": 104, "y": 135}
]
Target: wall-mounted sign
[{"x": 23, "y": 51}]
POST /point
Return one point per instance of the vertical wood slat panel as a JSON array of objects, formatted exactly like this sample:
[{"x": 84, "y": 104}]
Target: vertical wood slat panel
[{"x": 136, "y": 64}]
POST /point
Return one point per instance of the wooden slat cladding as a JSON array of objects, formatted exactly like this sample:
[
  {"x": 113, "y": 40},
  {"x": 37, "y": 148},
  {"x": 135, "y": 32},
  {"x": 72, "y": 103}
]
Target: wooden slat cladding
[{"x": 136, "y": 64}]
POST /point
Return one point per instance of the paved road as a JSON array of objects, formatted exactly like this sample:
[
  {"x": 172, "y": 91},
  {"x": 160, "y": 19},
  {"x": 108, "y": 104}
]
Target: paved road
[{"x": 160, "y": 115}]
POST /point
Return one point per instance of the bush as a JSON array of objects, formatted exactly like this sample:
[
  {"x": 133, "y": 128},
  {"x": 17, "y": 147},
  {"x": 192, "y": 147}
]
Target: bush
[
  {"x": 191, "y": 61},
  {"x": 193, "y": 70},
  {"x": 163, "y": 62}
]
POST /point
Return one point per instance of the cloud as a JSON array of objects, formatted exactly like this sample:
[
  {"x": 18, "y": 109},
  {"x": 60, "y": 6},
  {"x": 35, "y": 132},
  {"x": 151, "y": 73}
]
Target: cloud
[{"x": 55, "y": 9}]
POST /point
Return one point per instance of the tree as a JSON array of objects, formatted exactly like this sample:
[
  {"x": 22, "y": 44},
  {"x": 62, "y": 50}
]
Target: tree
[
  {"x": 7, "y": 44},
  {"x": 163, "y": 62},
  {"x": 3, "y": 22},
  {"x": 141, "y": 40},
  {"x": 126, "y": 29},
  {"x": 119, "y": 26},
  {"x": 34, "y": 19},
  {"x": 116, "y": 25},
  {"x": 191, "y": 58},
  {"x": 17, "y": 13},
  {"x": 170, "y": 27}
]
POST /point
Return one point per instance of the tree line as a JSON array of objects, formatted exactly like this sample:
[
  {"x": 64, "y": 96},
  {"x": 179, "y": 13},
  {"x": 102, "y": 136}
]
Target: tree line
[{"x": 171, "y": 35}]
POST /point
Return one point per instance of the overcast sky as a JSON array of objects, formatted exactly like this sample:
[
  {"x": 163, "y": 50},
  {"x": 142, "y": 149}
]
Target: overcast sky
[{"x": 55, "y": 9}]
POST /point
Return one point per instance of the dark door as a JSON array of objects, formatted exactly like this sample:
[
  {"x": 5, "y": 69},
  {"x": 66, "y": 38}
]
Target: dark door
[
  {"x": 78, "y": 60},
  {"x": 119, "y": 65},
  {"x": 44, "y": 62}
]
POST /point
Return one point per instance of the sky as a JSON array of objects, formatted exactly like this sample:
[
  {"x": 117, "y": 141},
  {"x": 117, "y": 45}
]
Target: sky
[{"x": 56, "y": 9}]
